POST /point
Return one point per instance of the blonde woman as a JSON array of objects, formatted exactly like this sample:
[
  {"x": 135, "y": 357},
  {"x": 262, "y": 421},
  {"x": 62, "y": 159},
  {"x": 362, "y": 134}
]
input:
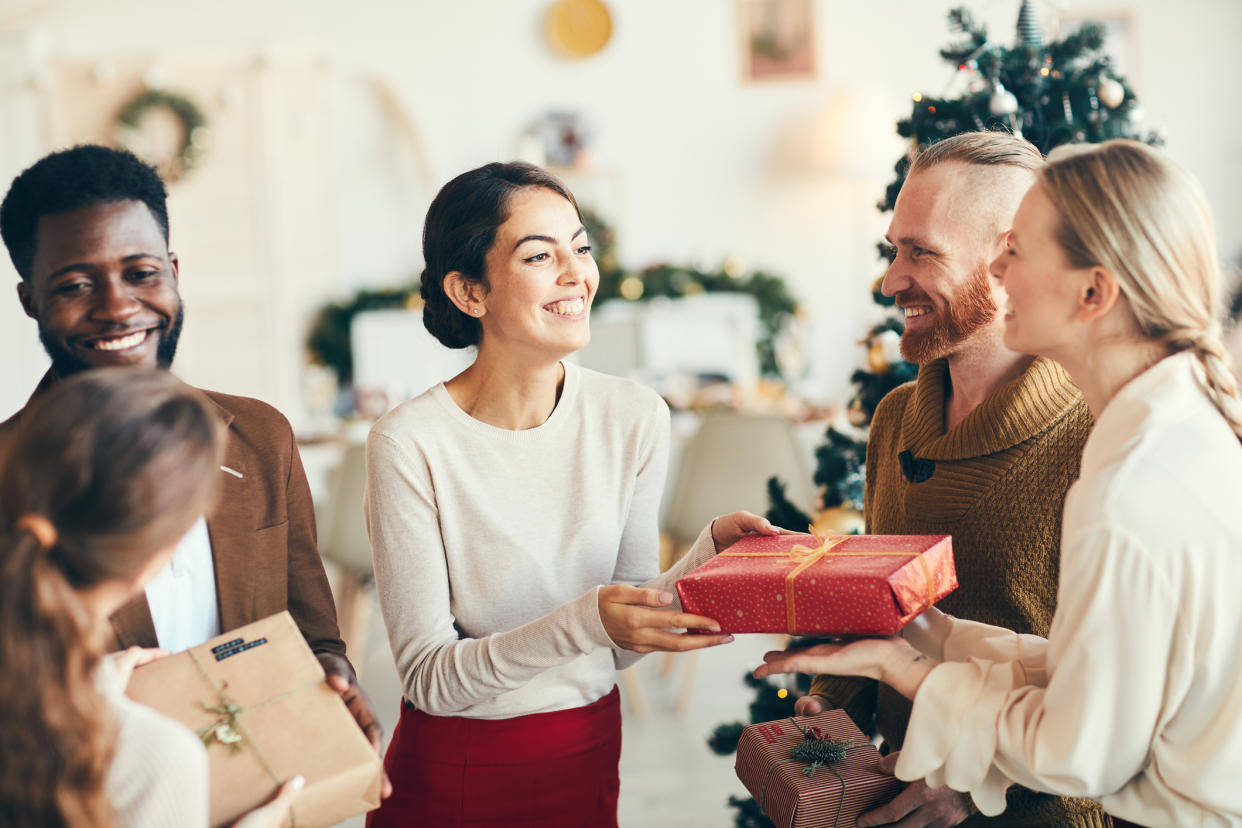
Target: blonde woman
[{"x": 1134, "y": 697}]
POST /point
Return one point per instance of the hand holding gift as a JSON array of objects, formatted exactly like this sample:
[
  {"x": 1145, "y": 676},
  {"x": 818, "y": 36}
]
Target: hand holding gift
[
  {"x": 917, "y": 806},
  {"x": 635, "y": 618},
  {"x": 248, "y": 695}
]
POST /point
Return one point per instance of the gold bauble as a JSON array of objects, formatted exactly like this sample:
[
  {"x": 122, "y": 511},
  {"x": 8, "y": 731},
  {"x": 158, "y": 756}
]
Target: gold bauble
[
  {"x": 875, "y": 358},
  {"x": 631, "y": 288},
  {"x": 841, "y": 520}
]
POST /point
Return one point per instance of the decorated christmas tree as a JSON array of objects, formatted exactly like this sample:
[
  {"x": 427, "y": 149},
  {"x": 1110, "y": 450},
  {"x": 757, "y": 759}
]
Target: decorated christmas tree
[{"x": 1050, "y": 93}]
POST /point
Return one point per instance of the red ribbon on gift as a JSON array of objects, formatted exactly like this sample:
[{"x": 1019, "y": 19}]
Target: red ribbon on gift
[{"x": 807, "y": 556}]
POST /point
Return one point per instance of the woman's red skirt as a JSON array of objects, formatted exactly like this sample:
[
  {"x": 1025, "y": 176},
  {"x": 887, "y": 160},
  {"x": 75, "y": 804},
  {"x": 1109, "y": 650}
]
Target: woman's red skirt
[{"x": 546, "y": 769}]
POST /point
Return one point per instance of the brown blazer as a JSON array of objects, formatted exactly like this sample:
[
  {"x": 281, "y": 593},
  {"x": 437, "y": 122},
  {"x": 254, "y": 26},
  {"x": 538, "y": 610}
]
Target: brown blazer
[{"x": 262, "y": 532}]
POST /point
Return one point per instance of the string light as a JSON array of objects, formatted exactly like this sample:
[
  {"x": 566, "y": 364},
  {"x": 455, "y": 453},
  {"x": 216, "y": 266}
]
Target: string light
[
  {"x": 931, "y": 109},
  {"x": 1045, "y": 71},
  {"x": 782, "y": 693},
  {"x": 917, "y": 97}
]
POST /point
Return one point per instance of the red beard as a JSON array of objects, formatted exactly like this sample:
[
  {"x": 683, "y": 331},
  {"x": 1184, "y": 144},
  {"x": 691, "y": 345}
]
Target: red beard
[{"x": 966, "y": 313}]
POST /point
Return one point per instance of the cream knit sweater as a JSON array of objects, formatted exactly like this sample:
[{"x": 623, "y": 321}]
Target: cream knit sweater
[{"x": 490, "y": 544}]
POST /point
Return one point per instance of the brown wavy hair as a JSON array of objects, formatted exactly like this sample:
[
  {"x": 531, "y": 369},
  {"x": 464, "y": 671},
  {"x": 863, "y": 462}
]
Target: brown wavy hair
[{"x": 121, "y": 462}]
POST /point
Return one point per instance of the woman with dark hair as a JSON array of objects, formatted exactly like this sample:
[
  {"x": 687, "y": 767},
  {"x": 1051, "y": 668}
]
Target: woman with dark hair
[
  {"x": 1134, "y": 698},
  {"x": 513, "y": 513},
  {"x": 106, "y": 474}
]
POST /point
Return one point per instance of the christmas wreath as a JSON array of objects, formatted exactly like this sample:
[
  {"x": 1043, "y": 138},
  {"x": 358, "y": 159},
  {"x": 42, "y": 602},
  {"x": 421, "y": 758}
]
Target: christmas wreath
[{"x": 194, "y": 132}]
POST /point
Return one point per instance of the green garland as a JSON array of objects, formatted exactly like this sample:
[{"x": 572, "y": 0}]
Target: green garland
[
  {"x": 194, "y": 134},
  {"x": 775, "y": 303},
  {"x": 328, "y": 340}
]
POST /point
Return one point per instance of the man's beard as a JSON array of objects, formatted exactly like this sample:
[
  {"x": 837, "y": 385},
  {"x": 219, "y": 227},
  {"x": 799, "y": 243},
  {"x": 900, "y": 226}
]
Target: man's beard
[
  {"x": 973, "y": 309},
  {"x": 65, "y": 363}
]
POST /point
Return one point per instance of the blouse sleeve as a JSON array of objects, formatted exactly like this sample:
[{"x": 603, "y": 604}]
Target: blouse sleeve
[
  {"x": 440, "y": 673},
  {"x": 980, "y": 724},
  {"x": 946, "y": 638}
]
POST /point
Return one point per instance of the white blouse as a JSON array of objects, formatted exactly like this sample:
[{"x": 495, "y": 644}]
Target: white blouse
[{"x": 1135, "y": 697}]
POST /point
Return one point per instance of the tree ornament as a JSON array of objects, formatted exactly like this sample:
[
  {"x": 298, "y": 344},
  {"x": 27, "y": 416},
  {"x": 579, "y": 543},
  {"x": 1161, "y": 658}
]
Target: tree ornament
[
  {"x": 839, "y": 520},
  {"x": 1111, "y": 93},
  {"x": 1002, "y": 102},
  {"x": 1030, "y": 33}
]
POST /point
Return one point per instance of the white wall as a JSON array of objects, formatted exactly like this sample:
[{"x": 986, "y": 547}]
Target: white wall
[{"x": 697, "y": 162}]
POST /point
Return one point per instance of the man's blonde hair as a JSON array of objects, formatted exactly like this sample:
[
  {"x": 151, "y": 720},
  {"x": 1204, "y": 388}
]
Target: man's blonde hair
[
  {"x": 1131, "y": 209},
  {"x": 981, "y": 149}
]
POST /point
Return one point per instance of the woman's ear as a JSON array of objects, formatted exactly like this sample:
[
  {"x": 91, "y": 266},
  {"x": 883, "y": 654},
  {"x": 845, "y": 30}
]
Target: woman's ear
[
  {"x": 1098, "y": 294},
  {"x": 467, "y": 295}
]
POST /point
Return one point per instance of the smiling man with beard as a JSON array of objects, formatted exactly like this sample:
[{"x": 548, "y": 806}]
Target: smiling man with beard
[
  {"x": 87, "y": 230},
  {"x": 981, "y": 446}
]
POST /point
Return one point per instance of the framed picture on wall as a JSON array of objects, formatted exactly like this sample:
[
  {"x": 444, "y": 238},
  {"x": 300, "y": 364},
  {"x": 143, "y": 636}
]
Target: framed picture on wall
[{"x": 777, "y": 39}]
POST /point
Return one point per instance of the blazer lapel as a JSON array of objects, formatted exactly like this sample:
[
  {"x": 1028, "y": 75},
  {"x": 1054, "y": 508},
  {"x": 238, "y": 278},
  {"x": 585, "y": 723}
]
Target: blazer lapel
[{"x": 230, "y": 526}]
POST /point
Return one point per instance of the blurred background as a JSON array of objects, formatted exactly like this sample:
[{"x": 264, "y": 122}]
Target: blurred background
[{"x": 729, "y": 155}]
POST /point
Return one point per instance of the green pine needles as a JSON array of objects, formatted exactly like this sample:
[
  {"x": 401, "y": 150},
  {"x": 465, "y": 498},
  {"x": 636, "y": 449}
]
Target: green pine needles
[{"x": 820, "y": 752}]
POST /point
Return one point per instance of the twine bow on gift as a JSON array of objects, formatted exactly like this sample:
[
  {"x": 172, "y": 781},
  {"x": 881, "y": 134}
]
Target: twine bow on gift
[
  {"x": 807, "y": 556},
  {"x": 228, "y": 729},
  {"x": 820, "y": 752}
]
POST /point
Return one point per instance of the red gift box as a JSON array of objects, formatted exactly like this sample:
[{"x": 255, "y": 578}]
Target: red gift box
[
  {"x": 831, "y": 794},
  {"x": 804, "y": 585}
]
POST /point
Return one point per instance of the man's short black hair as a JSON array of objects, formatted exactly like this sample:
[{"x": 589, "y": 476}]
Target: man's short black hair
[{"x": 71, "y": 179}]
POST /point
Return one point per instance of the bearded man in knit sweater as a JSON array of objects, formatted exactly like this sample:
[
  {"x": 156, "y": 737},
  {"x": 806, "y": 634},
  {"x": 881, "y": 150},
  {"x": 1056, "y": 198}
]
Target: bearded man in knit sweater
[{"x": 982, "y": 446}]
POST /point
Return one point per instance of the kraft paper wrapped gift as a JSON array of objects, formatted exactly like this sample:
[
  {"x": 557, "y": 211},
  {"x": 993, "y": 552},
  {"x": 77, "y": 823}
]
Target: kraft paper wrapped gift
[
  {"x": 773, "y": 762},
  {"x": 805, "y": 585},
  {"x": 258, "y": 699}
]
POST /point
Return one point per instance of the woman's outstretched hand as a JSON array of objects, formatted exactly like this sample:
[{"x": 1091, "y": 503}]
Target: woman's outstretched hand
[
  {"x": 890, "y": 660},
  {"x": 729, "y": 529},
  {"x": 634, "y": 621}
]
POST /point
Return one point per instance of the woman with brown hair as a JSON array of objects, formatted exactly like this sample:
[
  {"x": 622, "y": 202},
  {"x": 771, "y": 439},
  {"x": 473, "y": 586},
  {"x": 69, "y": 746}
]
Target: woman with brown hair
[
  {"x": 513, "y": 517},
  {"x": 106, "y": 474},
  {"x": 1134, "y": 698}
]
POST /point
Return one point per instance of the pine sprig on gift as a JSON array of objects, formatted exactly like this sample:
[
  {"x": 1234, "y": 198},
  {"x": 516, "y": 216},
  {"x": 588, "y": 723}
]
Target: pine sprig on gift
[{"x": 820, "y": 752}]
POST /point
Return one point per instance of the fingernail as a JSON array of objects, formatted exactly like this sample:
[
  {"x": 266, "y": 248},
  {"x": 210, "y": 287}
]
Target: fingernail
[
  {"x": 666, "y": 597},
  {"x": 299, "y": 782},
  {"x": 726, "y": 639}
]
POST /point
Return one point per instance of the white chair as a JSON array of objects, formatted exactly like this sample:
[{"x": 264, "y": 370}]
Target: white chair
[
  {"x": 724, "y": 468},
  {"x": 394, "y": 353},
  {"x": 343, "y": 542},
  {"x": 726, "y": 465}
]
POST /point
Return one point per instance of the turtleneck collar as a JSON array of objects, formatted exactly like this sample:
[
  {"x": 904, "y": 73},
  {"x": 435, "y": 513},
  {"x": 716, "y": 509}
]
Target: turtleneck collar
[{"x": 1014, "y": 413}]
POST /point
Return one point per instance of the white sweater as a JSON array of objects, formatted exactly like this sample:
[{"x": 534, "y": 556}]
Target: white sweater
[
  {"x": 490, "y": 544},
  {"x": 1135, "y": 697},
  {"x": 158, "y": 775}
]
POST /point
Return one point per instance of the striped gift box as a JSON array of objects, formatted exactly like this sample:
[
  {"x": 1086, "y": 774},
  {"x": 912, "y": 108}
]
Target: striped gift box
[{"x": 833, "y": 795}]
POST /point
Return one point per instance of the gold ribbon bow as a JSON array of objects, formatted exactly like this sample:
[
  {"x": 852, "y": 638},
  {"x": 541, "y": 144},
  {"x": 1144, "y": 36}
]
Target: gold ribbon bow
[{"x": 806, "y": 556}]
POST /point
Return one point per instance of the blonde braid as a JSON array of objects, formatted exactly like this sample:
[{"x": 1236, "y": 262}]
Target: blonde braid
[{"x": 1209, "y": 348}]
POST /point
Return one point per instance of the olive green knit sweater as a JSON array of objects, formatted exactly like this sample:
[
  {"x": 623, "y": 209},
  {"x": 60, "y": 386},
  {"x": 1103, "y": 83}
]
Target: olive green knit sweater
[{"x": 995, "y": 483}]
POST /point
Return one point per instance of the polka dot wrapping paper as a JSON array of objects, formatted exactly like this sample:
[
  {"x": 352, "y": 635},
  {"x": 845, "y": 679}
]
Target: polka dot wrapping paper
[
  {"x": 804, "y": 585},
  {"x": 831, "y": 795}
]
